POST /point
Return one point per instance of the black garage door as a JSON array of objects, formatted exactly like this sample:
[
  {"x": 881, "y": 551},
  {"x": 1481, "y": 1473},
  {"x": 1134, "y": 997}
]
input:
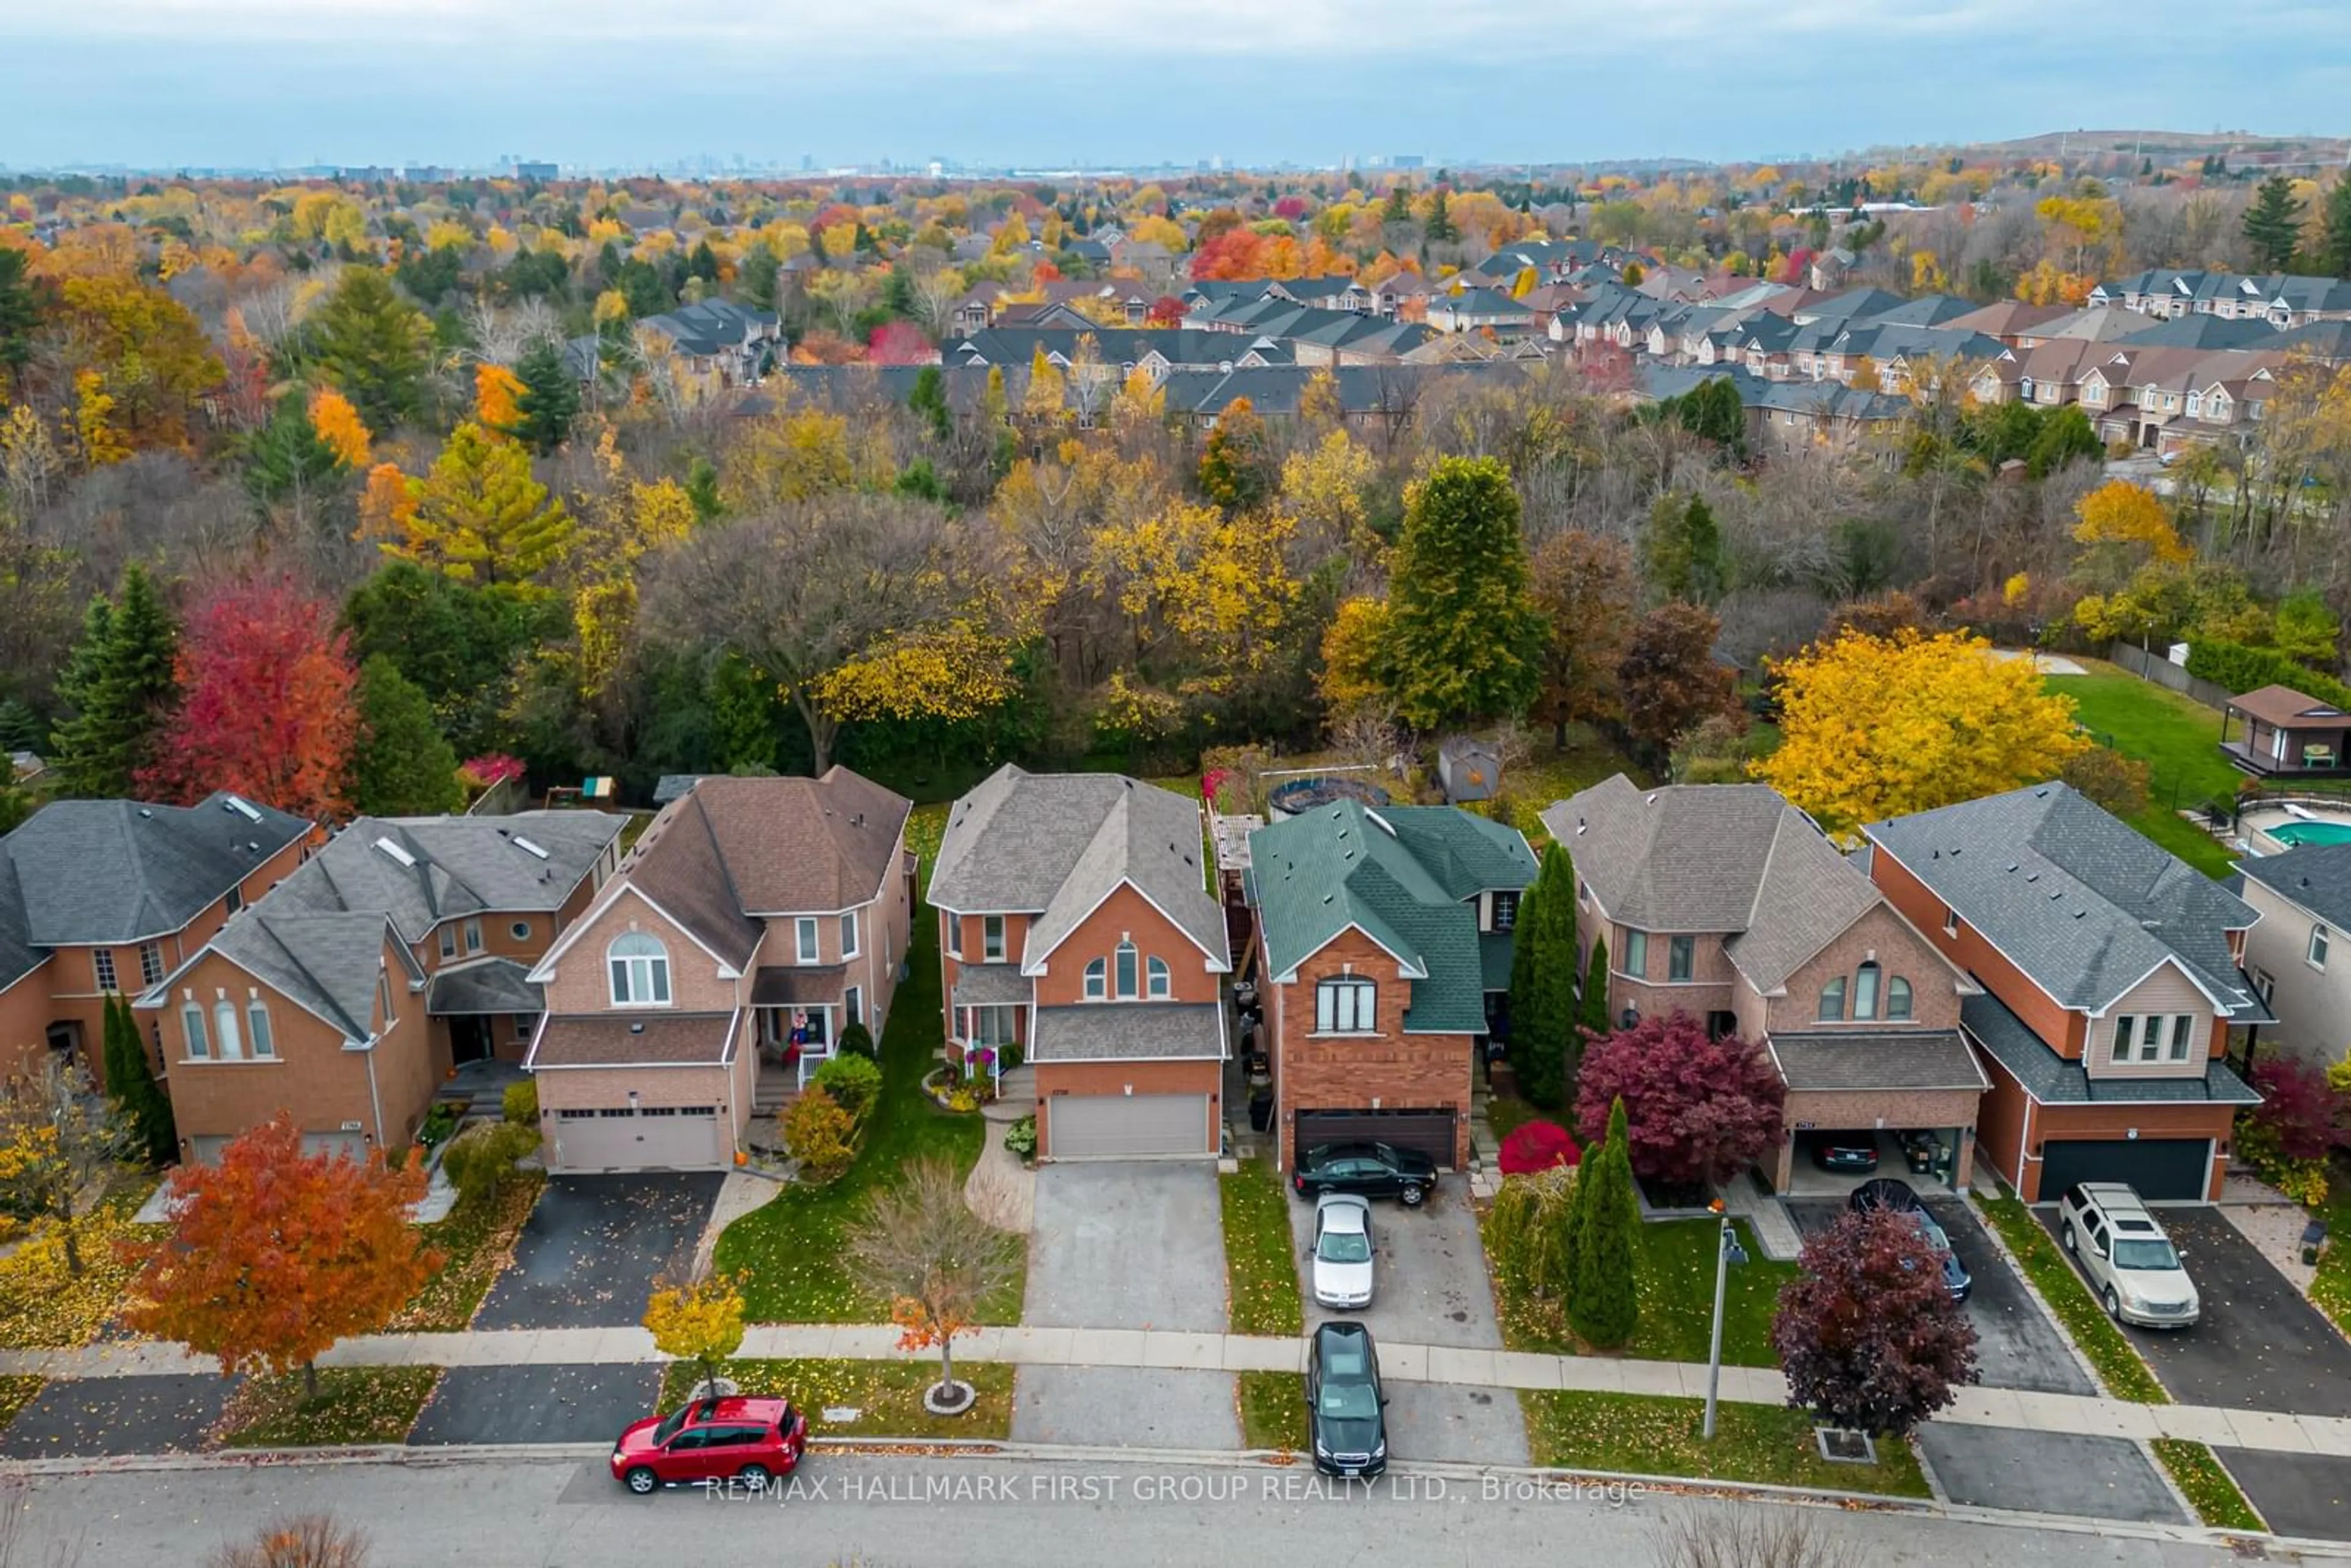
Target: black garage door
[
  {"x": 1430, "y": 1131},
  {"x": 2176, "y": 1169}
]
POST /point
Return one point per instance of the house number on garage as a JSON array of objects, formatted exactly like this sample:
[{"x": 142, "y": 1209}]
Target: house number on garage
[{"x": 1806, "y": 1126}]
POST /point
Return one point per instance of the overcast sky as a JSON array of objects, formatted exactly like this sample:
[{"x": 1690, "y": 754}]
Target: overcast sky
[{"x": 1046, "y": 82}]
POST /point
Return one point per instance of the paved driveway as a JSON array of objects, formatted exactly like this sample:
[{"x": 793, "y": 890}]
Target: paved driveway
[
  {"x": 589, "y": 1253},
  {"x": 2017, "y": 1344},
  {"x": 2300, "y": 1494},
  {"x": 93, "y": 1415},
  {"x": 577, "y": 1404},
  {"x": 1429, "y": 1287},
  {"x": 2047, "y": 1472},
  {"x": 2259, "y": 1344}
]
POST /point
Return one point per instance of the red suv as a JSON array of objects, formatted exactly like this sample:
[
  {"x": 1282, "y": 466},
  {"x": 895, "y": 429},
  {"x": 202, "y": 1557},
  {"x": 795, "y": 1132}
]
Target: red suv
[{"x": 726, "y": 1438}]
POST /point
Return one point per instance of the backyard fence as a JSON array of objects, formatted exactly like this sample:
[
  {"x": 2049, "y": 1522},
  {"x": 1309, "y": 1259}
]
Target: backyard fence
[{"x": 2162, "y": 672}]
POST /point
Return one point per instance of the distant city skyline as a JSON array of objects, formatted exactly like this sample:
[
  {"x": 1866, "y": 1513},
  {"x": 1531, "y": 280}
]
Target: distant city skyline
[{"x": 595, "y": 84}]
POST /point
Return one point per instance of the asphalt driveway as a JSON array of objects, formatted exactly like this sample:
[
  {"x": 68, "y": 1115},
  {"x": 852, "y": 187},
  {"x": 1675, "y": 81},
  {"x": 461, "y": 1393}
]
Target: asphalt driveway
[
  {"x": 589, "y": 1253},
  {"x": 2300, "y": 1494},
  {"x": 2047, "y": 1472},
  {"x": 2258, "y": 1345},
  {"x": 576, "y": 1404},
  {"x": 2017, "y": 1344},
  {"x": 85, "y": 1418}
]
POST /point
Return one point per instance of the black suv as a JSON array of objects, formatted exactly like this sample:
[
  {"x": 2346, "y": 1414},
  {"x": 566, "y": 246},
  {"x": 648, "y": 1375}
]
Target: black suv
[
  {"x": 1344, "y": 1402},
  {"x": 1374, "y": 1170}
]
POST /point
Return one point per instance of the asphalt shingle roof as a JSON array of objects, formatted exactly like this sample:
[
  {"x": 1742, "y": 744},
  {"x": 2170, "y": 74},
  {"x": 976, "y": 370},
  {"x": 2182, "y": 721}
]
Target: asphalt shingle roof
[
  {"x": 112, "y": 871},
  {"x": 989, "y": 986},
  {"x": 493, "y": 986},
  {"x": 634, "y": 1040},
  {"x": 2056, "y": 1080},
  {"x": 325, "y": 964},
  {"x": 1129, "y": 1032},
  {"x": 2316, "y": 876},
  {"x": 1891, "y": 1060},
  {"x": 454, "y": 866}
]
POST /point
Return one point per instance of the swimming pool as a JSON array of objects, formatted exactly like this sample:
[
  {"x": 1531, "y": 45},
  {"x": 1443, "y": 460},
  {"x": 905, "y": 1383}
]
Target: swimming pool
[{"x": 2295, "y": 834}]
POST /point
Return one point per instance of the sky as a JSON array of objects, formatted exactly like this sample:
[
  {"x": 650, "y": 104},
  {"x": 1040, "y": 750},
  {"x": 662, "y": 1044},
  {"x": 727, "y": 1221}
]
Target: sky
[{"x": 1057, "y": 83}]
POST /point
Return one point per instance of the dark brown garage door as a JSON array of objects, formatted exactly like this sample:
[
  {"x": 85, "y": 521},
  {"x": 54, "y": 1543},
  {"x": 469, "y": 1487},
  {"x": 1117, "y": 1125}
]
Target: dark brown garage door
[{"x": 1429, "y": 1132}]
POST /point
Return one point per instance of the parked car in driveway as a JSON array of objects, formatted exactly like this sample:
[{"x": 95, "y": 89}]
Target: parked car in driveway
[
  {"x": 1343, "y": 1250},
  {"x": 1344, "y": 1404},
  {"x": 730, "y": 1438},
  {"x": 1372, "y": 1170},
  {"x": 1885, "y": 1192},
  {"x": 1956, "y": 1278},
  {"x": 1839, "y": 1151},
  {"x": 2130, "y": 1262}
]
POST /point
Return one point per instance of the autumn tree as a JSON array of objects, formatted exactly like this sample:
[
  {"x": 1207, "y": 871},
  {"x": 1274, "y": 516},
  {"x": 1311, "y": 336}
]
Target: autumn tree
[
  {"x": 2124, "y": 527},
  {"x": 148, "y": 353},
  {"x": 401, "y": 764},
  {"x": 1699, "y": 1109},
  {"x": 274, "y": 1255},
  {"x": 267, "y": 710},
  {"x": 918, "y": 1246},
  {"x": 1354, "y": 676},
  {"x": 374, "y": 346},
  {"x": 299, "y": 1541},
  {"x": 1237, "y": 466},
  {"x": 338, "y": 424},
  {"x": 549, "y": 400},
  {"x": 1867, "y": 1334},
  {"x": 1583, "y": 588},
  {"x": 1668, "y": 678},
  {"x": 1545, "y": 1048},
  {"x": 287, "y": 458},
  {"x": 2272, "y": 224},
  {"x": 120, "y": 685},
  {"x": 20, "y": 313},
  {"x": 146, "y": 1111},
  {"x": 1464, "y": 640},
  {"x": 697, "y": 1318},
  {"x": 481, "y": 516},
  {"x": 58, "y": 1142},
  {"x": 1873, "y": 728}
]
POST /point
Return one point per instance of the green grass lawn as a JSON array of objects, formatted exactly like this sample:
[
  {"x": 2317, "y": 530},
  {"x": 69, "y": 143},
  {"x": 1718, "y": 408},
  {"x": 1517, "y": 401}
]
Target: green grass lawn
[
  {"x": 2175, "y": 736},
  {"x": 17, "y": 1389},
  {"x": 2118, "y": 1366},
  {"x": 2203, "y": 1482},
  {"x": 886, "y": 1395},
  {"x": 1260, "y": 1270},
  {"x": 1273, "y": 1409},
  {"x": 355, "y": 1405},
  {"x": 1639, "y": 1434},
  {"x": 1676, "y": 1284},
  {"x": 787, "y": 1251},
  {"x": 476, "y": 1243}
]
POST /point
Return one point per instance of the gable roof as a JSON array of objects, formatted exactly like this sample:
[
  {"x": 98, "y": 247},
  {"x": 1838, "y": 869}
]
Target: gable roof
[
  {"x": 2078, "y": 900},
  {"x": 2315, "y": 877},
  {"x": 422, "y": 871},
  {"x": 2286, "y": 708},
  {"x": 325, "y": 964},
  {"x": 112, "y": 871},
  {"x": 802, "y": 846}
]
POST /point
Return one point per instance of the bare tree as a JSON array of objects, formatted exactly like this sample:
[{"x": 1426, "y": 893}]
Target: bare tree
[
  {"x": 919, "y": 1246},
  {"x": 300, "y": 1540},
  {"x": 935, "y": 295},
  {"x": 59, "y": 1142},
  {"x": 1753, "y": 1537}
]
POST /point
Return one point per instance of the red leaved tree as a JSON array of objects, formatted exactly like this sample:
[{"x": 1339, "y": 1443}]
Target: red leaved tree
[
  {"x": 1701, "y": 1110},
  {"x": 268, "y": 710},
  {"x": 274, "y": 1255},
  {"x": 899, "y": 343},
  {"x": 2299, "y": 1107},
  {"x": 1165, "y": 311},
  {"x": 1867, "y": 1334}
]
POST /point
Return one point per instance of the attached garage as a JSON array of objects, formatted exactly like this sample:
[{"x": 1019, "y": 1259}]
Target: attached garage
[
  {"x": 2173, "y": 1170},
  {"x": 656, "y": 1092},
  {"x": 1138, "y": 1081},
  {"x": 207, "y": 1147},
  {"x": 1127, "y": 1126},
  {"x": 1430, "y": 1133}
]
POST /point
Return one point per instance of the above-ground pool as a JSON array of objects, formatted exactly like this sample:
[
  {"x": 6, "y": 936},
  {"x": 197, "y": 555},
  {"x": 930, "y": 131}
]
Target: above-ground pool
[{"x": 2295, "y": 834}]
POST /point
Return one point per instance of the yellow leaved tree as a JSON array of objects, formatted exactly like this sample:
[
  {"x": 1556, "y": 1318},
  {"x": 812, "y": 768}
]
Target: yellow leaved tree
[
  {"x": 338, "y": 424},
  {"x": 698, "y": 1320},
  {"x": 480, "y": 516}
]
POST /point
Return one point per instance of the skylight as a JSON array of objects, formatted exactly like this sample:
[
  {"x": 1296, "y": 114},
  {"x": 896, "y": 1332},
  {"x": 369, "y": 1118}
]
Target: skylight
[
  {"x": 1384, "y": 825},
  {"x": 242, "y": 807},
  {"x": 526, "y": 847},
  {"x": 395, "y": 852}
]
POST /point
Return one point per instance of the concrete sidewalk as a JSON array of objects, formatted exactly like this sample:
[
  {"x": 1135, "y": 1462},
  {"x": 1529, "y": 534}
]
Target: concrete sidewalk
[{"x": 1032, "y": 1346}]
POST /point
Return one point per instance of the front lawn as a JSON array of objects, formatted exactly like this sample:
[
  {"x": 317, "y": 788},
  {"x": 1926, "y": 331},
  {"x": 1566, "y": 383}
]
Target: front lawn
[
  {"x": 2330, "y": 1292},
  {"x": 2174, "y": 734},
  {"x": 46, "y": 1305},
  {"x": 1273, "y": 1409},
  {"x": 2118, "y": 1366},
  {"x": 476, "y": 1243},
  {"x": 17, "y": 1389},
  {"x": 2203, "y": 1482},
  {"x": 886, "y": 1396},
  {"x": 355, "y": 1405},
  {"x": 1677, "y": 1285},
  {"x": 1638, "y": 1435},
  {"x": 789, "y": 1250},
  {"x": 1260, "y": 1272}
]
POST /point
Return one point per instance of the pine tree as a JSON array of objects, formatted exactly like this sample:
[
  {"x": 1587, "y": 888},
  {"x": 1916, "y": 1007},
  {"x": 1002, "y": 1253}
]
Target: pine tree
[
  {"x": 288, "y": 457},
  {"x": 1592, "y": 1015},
  {"x": 373, "y": 345},
  {"x": 2335, "y": 245},
  {"x": 549, "y": 399},
  {"x": 131, "y": 1085},
  {"x": 20, "y": 312},
  {"x": 1605, "y": 1308},
  {"x": 1464, "y": 640},
  {"x": 1398, "y": 207},
  {"x": 481, "y": 516},
  {"x": 1440, "y": 226},
  {"x": 2273, "y": 223},
  {"x": 121, "y": 681},
  {"x": 401, "y": 766},
  {"x": 1682, "y": 550},
  {"x": 1544, "y": 1044}
]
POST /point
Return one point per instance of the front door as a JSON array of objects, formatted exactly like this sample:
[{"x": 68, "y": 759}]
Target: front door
[{"x": 469, "y": 1039}]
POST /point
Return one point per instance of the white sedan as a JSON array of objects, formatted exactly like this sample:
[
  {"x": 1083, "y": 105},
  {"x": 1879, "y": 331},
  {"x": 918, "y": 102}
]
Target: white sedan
[{"x": 1343, "y": 1250}]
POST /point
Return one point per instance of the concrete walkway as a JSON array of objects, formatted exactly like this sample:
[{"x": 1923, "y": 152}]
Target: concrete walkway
[{"x": 1032, "y": 1346}]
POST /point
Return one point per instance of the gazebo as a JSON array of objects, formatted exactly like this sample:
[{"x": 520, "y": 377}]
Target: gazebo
[{"x": 2287, "y": 735}]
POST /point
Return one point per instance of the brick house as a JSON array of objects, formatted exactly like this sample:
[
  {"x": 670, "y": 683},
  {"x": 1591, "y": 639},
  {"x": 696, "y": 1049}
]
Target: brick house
[
  {"x": 754, "y": 920},
  {"x": 396, "y": 954},
  {"x": 1384, "y": 937},
  {"x": 2108, "y": 976},
  {"x": 1723, "y": 902},
  {"x": 101, "y": 896},
  {"x": 1076, "y": 930}
]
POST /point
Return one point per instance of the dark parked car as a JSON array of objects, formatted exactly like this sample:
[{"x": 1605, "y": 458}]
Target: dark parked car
[
  {"x": 1374, "y": 1170},
  {"x": 1843, "y": 1152},
  {"x": 1344, "y": 1414},
  {"x": 726, "y": 1438},
  {"x": 1956, "y": 1278},
  {"x": 1885, "y": 1192}
]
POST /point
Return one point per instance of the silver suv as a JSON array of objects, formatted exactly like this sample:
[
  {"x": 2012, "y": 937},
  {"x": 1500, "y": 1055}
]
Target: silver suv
[{"x": 2129, "y": 1261}]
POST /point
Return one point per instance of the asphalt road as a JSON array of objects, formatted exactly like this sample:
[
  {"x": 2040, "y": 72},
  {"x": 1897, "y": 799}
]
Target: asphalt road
[{"x": 527, "y": 1515}]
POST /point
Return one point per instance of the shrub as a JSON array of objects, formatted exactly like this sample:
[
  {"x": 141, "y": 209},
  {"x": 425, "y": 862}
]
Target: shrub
[
  {"x": 1530, "y": 1230},
  {"x": 858, "y": 1041},
  {"x": 305, "y": 1540},
  {"x": 1702, "y": 1110},
  {"x": 2299, "y": 1107},
  {"x": 438, "y": 1124},
  {"x": 2116, "y": 783},
  {"x": 2241, "y": 669},
  {"x": 520, "y": 1103},
  {"x": 1008, "y": 1055},
  {"x": 1022, "y": 1138},
  {"x": 816, "y": 1132},
  {"x": 853, "y": 1082},
  {"x": 481, "y": 1158}
]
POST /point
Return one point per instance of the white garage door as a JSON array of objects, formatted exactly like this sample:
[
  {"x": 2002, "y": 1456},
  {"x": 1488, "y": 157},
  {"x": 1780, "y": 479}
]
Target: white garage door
[
  {"x": 1124, "y": 1126},
  {"x": 653, "y": 1137}
]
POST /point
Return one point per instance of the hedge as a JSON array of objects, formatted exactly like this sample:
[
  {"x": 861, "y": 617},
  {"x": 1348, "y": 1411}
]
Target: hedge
[{"x": 2241, "y": 669}]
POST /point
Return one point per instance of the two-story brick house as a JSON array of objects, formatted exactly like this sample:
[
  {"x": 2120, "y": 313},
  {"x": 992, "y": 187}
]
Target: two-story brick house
[
  {"x": 108, "y": 897},
  {"x": 755, "y": 920},
  {"x": 1076, "y": 926},
  {"x": 1723, "y": 902},
  {"x": 1381, "y": 934},
  {"x": 281, "y": 1011},
  {"x": 2109, "y": 975}
]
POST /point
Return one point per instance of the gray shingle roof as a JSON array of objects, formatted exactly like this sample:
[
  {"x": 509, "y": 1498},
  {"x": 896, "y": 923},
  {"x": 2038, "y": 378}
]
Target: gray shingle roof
[
  {"x": 325, "y": 964},
  {"x": 455, "y": 867},
  {"x": 2079, "y": 901},
  {"x": 1129, "y": 1032},
  {"x": 990, "y": 986},
  {"x": 2316, "y": 876},
  {"x": 1056, "y": 844},
  {"x": 1892, "y": 1058},
  {"x": 474, "y": 990},
  {"x": 18, "y": 956},
  {"x": 2054, "y": 1080},
  {"x": 90, "y": 871}
]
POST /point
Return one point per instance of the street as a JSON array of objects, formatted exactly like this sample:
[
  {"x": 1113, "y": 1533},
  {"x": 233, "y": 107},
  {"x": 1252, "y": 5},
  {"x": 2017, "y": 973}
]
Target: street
[{"x": 916, "y": 1513}]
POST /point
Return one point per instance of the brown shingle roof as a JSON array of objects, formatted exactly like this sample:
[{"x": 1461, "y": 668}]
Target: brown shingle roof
[
  {"x": 2287, "y": 708},
  {"x": 635, "y": 1040},
  {"x": 798, "y": 845}
]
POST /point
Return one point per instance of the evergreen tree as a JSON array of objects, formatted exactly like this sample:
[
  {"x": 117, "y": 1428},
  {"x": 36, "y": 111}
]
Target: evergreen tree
[
  {"x": 1544, "y": 1045},
  {"x": 1605, "y": 1307},
  {"x": 131, "y": 1085},
  {"x": 120, "y": 684},
  {"x": 1464, "y": 640},
  {"x": 549, "y": 399},
  {"x": 1592, "y": 1013},
  {"x": 401, "y": 766},
  {"x": 1682, "y": 550},
  {"x": 701, "y": 489},
  {"x": 374, "y": 346},
  {"x": 1440, "y": 226},
  {"x": 929, "y": 399},
  {"x": 20, "y": 312},
  {"x": 2273, "y": 223},
  {"x": 1398, "y": 206},
  {"x": 2333, "y": 245},
  {"x": 288, "y": 457}
]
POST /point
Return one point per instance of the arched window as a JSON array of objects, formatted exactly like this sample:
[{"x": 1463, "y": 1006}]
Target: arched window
[
  {"x": 639, "y": 971},
  {"x": 1126, "y": 962},
  {"x": 257, "y": 1019},
  {"x": 192, "y": 1019},
  {"x": 1345, "y": 1007},
  {"x": 1897, "y": 998},
  {"x": 1156, "y": 979},
  {"x": 1864, "y": 992},
  {"x": 1097, "y": 979},
  {"x": 225, "y": 1031},
  {"x": 1833, "y": 1001}
]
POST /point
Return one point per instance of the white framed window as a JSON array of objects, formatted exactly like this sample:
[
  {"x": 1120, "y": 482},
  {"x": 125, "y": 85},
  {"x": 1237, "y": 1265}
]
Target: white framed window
[
  {"x": 1097, "y": 979},
  {"x": 1158, "y": 983},
  {"x": 849, "y": 934},
  {"x": 1897, "y": 1000},
  {"x": 995, "y": 1025},
  {"x": 1832, "y": 1008},
  {"x": 991, "y": 938},
  {"x": 640, "y": 970},
  {"x": 1345, "y": 1006},
  {"x": 101, "y": 967},
  {"x": 1127, "y": 959},
  {"x": 2150, "y": 1037},
  {"x": 1636, "y": 954},
  {"x": 2125, "y": 1031},
  {"x": 383, "y": 998},
  {"x": 473, "y": 936},
  {"x": 1506, "y": 910},
  {"x": 2183, "y": 1029},
  {"x": 853, "y": 1004},
  {"x": 192, "y": 1020},
  {"x": 1950, "y": 922},
  {"x": 525, "y": 1025},
  {"x": 449, "y": 941},
  {"x": 256, "y": 1028},
  {"x": 151, "y": 963},
  {"x": 2317, "y": 952},
  {"x": 804, "y": 933},
  {"x": 1865, "y": 991}
]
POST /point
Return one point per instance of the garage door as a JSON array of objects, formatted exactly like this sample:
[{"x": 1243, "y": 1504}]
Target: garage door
[
  {"x": 1124, "y": 1126},
  {"x": 207, "y": 1147},
  {"x": 2173, "y": 1170},
  {"x": 1430, "y": 1131},
  {"x": 653, "y": 1137}
]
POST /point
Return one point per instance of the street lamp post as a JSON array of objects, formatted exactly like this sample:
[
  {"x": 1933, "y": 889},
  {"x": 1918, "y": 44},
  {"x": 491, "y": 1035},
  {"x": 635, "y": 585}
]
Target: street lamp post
[{"x": 1727, "y": 1251}]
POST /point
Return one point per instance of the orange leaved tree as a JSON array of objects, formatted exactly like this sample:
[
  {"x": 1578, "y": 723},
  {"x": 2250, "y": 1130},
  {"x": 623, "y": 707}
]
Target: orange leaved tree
[{"x": 274, "y": 1255}]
